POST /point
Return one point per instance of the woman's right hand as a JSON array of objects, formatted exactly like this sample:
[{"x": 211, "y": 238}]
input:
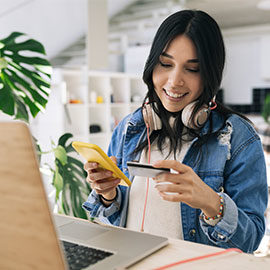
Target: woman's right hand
[{"x": 101, "y": 180}]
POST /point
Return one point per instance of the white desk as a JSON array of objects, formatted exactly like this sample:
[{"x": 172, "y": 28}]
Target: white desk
[{"x": 179, "y": 250}]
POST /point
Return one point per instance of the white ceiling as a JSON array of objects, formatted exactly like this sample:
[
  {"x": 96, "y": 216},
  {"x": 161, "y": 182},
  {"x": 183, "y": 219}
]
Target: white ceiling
[
  {"x": 10, "y": 6},
  {"x": 228, "y": 13},
  {"x": 233, "y": 13},
  {"x": 138, "y": 20}
]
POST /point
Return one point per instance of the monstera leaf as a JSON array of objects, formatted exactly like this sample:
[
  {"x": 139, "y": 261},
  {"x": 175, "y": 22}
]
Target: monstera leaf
[
  {"x": 24, "y": 76},
  {"x": 69, "y": 179}
]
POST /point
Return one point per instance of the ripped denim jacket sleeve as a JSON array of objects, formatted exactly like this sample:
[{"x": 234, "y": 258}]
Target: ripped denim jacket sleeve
[{"x": 245, "y": 199}]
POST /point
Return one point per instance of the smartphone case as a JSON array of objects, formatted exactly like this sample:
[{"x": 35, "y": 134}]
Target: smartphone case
[{"x": 93, "y": 153}]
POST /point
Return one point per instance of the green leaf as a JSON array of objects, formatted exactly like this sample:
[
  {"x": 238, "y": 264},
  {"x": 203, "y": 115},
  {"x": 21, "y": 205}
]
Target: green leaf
[
  {"x": 63, "y": 139},
  {"x": 73, "y": 202},
  {"x": 75, "y": 161},
  {"x": 11, "y": 38},
  {"x": 266, "y": 109},
  {"x": 21, "y": 111},
  {"x": 35, "y": 95},
  {"x": 7, "y": 103},
  {"x": 19, "y": 107},
  {"x": 70, "y": 148},
  {"x": 65, "y": 205},
  {"x": 44, "y": 69},
  {"x": 3, "y": 63},
  {"x": 36, "y": 79},
  {"x": 28, "y": 45},
  {"x": 58, "y": 183},
  {"x": 60, "y": 154},
  {"x": 29, "y": 60},
  {"x": 77, "y": 171},
  {"x": 75, "y": 189},
  {"x": 26, "y": 79},
  {"x": 34, "y": 108}
]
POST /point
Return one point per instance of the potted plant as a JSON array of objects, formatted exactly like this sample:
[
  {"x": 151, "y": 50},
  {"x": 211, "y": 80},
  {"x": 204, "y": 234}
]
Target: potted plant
[{"x": 24, "y": 91}]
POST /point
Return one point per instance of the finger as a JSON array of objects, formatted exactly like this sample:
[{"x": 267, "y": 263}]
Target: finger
[
  {"x": 90, "y": 166},
  {"x": 170, "y": 188},
  {"x": 89, "y": 180},
  {"x": 172, "y": 164},
  {"x": 170, "y": 177},
  {"x": 104, "y": 186},
  {"x": 114, "y": 160},
  {"x": 99, "y": 175},
  {"x": 172, "y": 197}
]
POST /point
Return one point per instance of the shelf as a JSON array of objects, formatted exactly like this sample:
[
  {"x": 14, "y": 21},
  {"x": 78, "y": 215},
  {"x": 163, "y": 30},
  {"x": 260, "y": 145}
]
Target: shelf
[
  {"x": 98, "y": 135},
  {"x": 76, "y": 105},
  {"x": 87, "y": 86},
  {"x": 119, "y": 105},
  {"x": 97, "y": 105}
]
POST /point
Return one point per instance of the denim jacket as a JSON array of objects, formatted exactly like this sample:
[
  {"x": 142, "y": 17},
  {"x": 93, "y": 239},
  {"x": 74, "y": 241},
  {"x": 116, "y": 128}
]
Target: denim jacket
[{"x": 231, "y": 162}]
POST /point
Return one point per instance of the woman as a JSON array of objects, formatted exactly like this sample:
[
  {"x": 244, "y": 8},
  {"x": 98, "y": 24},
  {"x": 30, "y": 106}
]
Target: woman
[{"x": 216, "y": 193}]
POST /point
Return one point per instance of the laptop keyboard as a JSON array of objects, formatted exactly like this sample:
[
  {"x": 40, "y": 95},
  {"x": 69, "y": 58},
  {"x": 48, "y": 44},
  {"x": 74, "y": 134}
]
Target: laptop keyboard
[{"x": 80, "y": 257}]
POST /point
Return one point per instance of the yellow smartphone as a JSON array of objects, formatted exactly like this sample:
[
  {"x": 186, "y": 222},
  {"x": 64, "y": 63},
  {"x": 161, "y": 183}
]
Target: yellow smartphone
[{"x": 93, "y": 153}]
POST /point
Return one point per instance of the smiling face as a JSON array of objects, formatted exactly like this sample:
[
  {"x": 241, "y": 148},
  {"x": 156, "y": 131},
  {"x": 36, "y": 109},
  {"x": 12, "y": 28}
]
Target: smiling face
[{"x": 176, "y": 77}]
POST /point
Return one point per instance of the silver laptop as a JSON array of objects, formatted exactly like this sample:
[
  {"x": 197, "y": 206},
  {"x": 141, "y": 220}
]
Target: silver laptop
[{"x": 32, "y": 238}]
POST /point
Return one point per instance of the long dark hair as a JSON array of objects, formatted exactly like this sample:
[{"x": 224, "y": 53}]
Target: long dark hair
[{"x": 205, "y": 33}]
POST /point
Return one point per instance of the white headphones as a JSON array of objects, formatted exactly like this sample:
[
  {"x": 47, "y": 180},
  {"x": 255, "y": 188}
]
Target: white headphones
[{"x": 197, "y": 121}]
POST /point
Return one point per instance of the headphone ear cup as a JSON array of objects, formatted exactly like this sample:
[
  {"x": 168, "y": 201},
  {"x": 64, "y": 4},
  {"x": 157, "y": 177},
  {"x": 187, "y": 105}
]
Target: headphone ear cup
[
  {"x": 150, "y": 117},
  {"x": 199, "y": 118},
  {"x": 149, "y": 113}
]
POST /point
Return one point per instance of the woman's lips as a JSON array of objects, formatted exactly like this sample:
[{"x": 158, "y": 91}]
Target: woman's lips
[{"x": 174, "y": 96}]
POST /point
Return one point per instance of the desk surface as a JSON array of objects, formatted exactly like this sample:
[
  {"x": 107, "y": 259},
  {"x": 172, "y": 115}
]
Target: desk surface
[{"x": 180, "y": 250}]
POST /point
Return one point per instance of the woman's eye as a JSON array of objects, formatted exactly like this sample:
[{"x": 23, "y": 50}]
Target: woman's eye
[
  {"x": 164, "y": 64},
  {"x": 193, "y": 70}
]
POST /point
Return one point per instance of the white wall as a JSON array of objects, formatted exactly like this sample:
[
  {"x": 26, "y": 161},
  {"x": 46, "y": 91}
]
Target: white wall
[
  {"x": 55, "y": 23},
  {"x": 135, "y": 58},
  {"x": 244, "y": 64}
]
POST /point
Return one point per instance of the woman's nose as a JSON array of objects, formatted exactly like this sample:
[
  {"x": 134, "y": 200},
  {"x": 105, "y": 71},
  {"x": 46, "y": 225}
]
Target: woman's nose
[{"x": 176, "y": 79}]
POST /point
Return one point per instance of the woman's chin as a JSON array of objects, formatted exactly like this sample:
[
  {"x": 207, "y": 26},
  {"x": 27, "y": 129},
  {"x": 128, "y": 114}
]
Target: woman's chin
[{"x": 173, "y": 109}]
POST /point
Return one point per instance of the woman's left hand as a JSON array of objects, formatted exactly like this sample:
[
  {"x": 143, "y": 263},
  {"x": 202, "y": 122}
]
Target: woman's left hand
[{"x": 186, "y": 186}]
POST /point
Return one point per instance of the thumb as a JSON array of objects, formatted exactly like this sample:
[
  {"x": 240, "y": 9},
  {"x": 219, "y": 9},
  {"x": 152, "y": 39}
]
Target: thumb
[{"x": 114, "y": 160}]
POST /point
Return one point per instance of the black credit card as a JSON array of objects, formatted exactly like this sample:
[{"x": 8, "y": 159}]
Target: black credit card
[{"x": 145, "y": 170}]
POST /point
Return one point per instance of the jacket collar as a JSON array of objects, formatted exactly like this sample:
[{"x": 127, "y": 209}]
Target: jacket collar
[
  {"x": 136, "y": 118},
  {"x": 217, "y": 123}
]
